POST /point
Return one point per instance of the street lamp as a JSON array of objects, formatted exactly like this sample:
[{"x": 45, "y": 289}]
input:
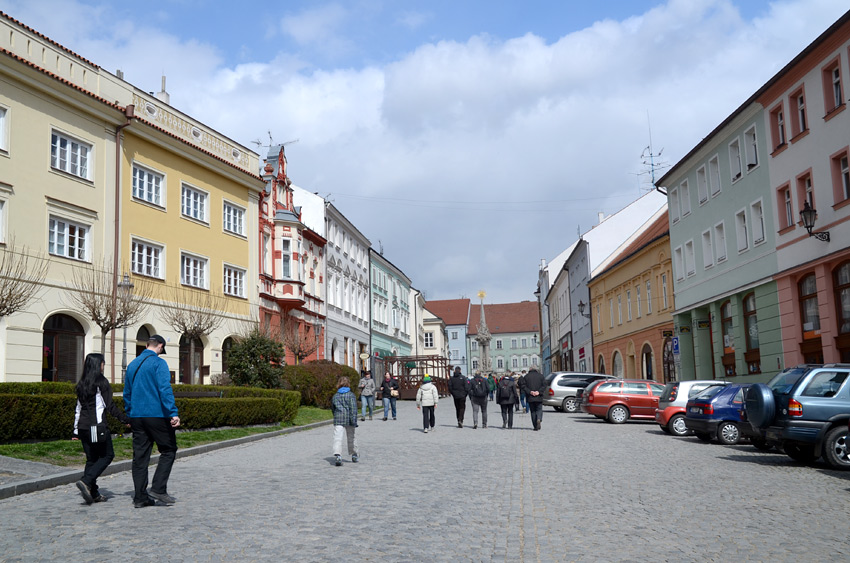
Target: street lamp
[
  {"x": 581, "y": 307},
  {"x": 808, "y": 215},
  {"x": 125, "y": 290}
]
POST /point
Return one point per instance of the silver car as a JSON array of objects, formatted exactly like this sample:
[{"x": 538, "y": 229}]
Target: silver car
[{"x": 563, "y": 385}]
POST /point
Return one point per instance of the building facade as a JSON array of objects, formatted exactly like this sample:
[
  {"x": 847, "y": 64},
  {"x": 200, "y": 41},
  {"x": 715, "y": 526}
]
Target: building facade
[
  {"x": 514, "y": 328},
  {"x": 392, "y": 332},
  {"x": 455, "y": 315}
]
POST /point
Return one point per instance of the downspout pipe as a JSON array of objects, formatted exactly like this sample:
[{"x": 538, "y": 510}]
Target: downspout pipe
[{"x": 129, "y": 112}]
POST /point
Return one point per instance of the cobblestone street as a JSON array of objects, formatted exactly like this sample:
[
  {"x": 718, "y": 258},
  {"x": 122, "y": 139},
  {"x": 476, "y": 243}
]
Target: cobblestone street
[{"x": 579, "y": 490}]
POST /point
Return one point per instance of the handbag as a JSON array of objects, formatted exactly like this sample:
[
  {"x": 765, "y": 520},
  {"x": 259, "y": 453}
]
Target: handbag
[
  {"x": 98, "y": 432},
  {"x": 393, "y": 392}
]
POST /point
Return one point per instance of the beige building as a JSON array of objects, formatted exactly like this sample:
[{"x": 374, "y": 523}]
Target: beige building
[{"x": 632, "y": 306}]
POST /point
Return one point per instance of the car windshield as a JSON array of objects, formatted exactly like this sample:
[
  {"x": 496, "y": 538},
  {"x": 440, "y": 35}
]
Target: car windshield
[
  {"x": 783, "y": 381},
  {"x": 709, "y": 392}
]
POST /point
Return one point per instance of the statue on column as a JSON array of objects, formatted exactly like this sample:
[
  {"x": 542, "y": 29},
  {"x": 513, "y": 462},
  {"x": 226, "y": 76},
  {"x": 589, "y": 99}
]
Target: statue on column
[{"x": 483, "y": 338}]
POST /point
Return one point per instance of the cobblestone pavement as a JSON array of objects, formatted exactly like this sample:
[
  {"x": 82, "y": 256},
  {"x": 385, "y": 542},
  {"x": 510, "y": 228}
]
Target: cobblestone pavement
[{"x": 579, "y": 490}]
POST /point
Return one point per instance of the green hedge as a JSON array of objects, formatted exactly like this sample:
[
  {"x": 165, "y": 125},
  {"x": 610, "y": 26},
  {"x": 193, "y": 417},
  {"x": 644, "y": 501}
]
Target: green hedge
[
  {"x": 40, "y": 388},
  {"x": 317, "y": 381}
]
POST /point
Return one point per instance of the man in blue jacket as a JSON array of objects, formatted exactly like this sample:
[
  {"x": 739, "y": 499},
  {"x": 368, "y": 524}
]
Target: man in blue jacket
[{"x": 149, "y": 402}]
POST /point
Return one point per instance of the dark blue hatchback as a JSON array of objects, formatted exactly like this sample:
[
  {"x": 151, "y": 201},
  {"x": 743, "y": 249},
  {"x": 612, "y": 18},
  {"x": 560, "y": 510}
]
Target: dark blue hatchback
[{"x": 716, "y": 412}]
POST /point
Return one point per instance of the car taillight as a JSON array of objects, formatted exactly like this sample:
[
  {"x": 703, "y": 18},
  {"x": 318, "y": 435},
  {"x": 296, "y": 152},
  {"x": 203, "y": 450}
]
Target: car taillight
[
  {"x": 708, "y": 409},
  {"x": 590, "y": 398},
  {"x": 551, "y": 392},
  {"x": 795, "y": 408},
  {"x": 673, "y": 392}
]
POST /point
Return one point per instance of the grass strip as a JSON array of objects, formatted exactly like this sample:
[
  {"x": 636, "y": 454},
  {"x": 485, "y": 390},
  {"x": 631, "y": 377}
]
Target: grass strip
[{"x": 69, "y": 453}]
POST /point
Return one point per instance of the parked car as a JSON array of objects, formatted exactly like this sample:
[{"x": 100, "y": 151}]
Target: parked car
[
  {"x": 807, "y": 414},
  {"x": 621, "y": 399},
  {"x": 563, "y": 386},
  {"x": 716, "y": 413},
  {"x": 670, "y": 414}
]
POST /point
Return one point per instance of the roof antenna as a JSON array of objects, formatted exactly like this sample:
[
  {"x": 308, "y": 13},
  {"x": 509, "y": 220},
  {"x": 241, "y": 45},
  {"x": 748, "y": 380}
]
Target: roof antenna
[{"x": 652, "y": 160}]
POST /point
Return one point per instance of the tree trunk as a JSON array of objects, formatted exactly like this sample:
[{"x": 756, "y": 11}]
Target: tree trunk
[
  {"x": 192, "y": 360},
  {"x": 103, "y": 334}
]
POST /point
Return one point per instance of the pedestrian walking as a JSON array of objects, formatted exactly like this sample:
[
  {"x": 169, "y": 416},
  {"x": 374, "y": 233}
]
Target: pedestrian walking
[
  {"x": 367, "y": 394},
  {"x": 478, "y": 391},
  {"x": 344, "y": 409},
  {"x": 427, "y": 399},
  {"x": 491, "y": 383},
  {"x": 507, "y": 398},
  {"x": 535, "y": 387},
  {"x": 94, "y": 400},
  {"x": 149, "y": 402},
  {"x": 389, "y": 394},
  {"x": 523, "y": 399},
  {"x": 459, "y": 388}
]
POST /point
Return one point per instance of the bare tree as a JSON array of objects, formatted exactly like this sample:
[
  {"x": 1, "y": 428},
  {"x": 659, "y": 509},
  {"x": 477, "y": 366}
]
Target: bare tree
[
  {"x": 193, "y": 313},
  {"x": 22, "y": 277},
  {"x": 301, "y": 343},
  {"x": 91, "y": 293}
]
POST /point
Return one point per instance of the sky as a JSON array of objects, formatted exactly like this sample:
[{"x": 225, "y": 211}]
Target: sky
[{"x": 468, "y": 140}]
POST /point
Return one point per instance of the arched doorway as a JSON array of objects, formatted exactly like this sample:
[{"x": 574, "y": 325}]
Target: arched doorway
[
  {"x": 601, "y": 364},
  {"x": 63, "y": 349},
  {"x": 142, "y": 338},
  {"x": 669, "y": 361},
  {"x": 225, "y": 353},
  {"x": 188, "y": 374},
  {"x": 617, "y": 362},
  {"x": 646, "y": 362}
]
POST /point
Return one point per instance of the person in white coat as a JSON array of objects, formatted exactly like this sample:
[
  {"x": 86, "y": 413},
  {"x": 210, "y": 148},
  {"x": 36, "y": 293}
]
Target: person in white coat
[{"x": 427, "y": 399}]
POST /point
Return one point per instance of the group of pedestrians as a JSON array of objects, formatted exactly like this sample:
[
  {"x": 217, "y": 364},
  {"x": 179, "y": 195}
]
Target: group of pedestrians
[
  {"x": 510, "y": 394},
  {"x": 149, "y": 410}
]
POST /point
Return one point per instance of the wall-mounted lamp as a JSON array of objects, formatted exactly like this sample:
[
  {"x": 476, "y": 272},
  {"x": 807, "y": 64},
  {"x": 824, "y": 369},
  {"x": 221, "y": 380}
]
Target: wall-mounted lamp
[
  {"x": 581, "y": 307},
  {"x": 808, "y": 216}
]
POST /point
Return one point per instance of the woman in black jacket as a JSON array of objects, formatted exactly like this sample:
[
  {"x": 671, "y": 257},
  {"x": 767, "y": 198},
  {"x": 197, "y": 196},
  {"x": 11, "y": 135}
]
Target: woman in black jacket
[{"x": 94, "y": 397}]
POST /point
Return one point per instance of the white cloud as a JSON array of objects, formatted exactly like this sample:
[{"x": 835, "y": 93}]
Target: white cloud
[{"x": 318, "y": 27}]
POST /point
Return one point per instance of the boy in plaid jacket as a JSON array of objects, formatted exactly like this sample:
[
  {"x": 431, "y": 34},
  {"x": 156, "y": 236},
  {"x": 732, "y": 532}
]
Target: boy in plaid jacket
[{"x": 344, "y": 408}]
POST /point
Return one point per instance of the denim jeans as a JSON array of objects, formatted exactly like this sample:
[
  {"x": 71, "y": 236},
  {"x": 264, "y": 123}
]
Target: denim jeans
[
  {"x": 368, "y": 401},
  {"x": 476, "y": 406},
  {"x": 536, "y": 413},
  {"x": 389, "y": 401},
  {"x": 523, "y": 402},
  {"x": 428, "y": 417}
]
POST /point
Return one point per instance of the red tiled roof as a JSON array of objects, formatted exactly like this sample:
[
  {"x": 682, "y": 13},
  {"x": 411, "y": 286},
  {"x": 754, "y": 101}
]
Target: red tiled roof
[
  {"x": 452, "y": 311},
  {"x": 659, "y": 228},
  {"x": 46, "y": 38},
  {"x": 506, "y": 317}
]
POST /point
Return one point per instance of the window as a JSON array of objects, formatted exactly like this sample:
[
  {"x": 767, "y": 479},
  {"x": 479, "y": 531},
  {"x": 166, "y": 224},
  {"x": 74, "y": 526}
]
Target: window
[
  {"x": 193, "y": 271},
  {"x": 500, "y": 363},
  {"x": 67, "y": 239},
  {"x": 513, "y": 343},
  {"x": 825, "y": 384},
  {"x": 525, "y": 361},
  {"x": 804, "y": 188},
  {"x": 629, "y": 304},
  {"x": 664, "y": 289},
  {"x": 728, "y": 338},
  {"x": 690, "y": 264},
  {"x": 648, "y": 298},
  {"x": 429, "y": 339},
  {"x": 799, "y": 121},
  {"x": 832, "y": 86},
  {"x": 840, "y": 177},
  {"x": 474, "y": 345},
  {"x": 714, "y": 175},
  {"x": 842, "y": 297},
  {"x": 514, "y": 362},
  {"x": 685, "y": 198},
  {"x": 735, "y": 159},
  {"x": 619, "y": 309},
  {"x": 674, "y": 205},
  {"x": 4, "y": 135},
  {"x": 757, "y": 214},
  {"x": 599, "y": 317},
  {"x": 454, "y": 335},
  {"x": 474, "y": 364},
  {"x": 637, "y": 299},
  {"x": 777, "y": 127},
  {"x": 524, "y": 343},
  {"x": 498, "y": 344},
  {"x": 785, "y": 207},
  {"x": 69, "y": 155},
  {"x": 809, "y": 307},
  {"x": 234, "y": 218},
  {"x": 194, "y": 203},
  {"x": 611, "y": 312},
  {"x": 285, "y": 260},
  {"x": 147, "y": 185},
  {"x": 234, "y": 281},
  {"x": 702, "y": 185},
  {"x": 719, "y": 242},
  {"x": 679, "y": 261},
  {"x": 752, "y": 148},
  {"x": 707, "y": 250},
  {"x": 741, "y": 230},
  {"x": 146, "y": 259},
  {"x": 751, "y": 322}
]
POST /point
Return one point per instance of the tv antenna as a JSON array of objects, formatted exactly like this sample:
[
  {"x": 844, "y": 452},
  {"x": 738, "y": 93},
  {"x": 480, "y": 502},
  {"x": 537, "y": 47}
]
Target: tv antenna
[{"x": 651, "y": 160}]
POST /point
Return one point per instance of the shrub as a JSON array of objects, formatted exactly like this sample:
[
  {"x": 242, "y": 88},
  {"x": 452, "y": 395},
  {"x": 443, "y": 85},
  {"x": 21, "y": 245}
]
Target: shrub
[
  {"x": 254, "y": 360},
  {"x": 39, "y": 388},
  {"x": 317, "y": 381},
  {"x": 242, "y": 411}
]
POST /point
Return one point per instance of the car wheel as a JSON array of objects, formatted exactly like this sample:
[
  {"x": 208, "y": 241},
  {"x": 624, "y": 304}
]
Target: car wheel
[
  {"x": 618, "y": 414},
  {"x": 676, "y": 425},
  {"x": 760, "y": 405},
  {"x": 664, "y": 429},
  {"x": 803, "y": 454},
  {"x": 570, "y": 405},
  {"x": 728, "y": 433},
  {"x": 835, "y": 448},
  {"x": 703, "y": 436},
  {"x": 761, "y": 444}
]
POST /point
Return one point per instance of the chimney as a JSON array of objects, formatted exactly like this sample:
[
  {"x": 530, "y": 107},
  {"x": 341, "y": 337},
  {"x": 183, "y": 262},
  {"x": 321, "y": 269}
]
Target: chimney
[
  {"x": 162, "y": 95},
  {"x": 120, "y": 74},
  {"x": 601, "y": 214}
]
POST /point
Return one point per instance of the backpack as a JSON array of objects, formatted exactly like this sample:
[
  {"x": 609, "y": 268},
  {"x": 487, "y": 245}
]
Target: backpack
[
  {"x": 479, "y": 387},
  {"x": 505, "y": 388}
]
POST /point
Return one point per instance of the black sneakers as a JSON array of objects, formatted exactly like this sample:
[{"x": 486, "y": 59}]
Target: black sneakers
[
  {"x": 141, "y": 504},
  {"x": 84, "y": 490},
  {"x": 164, "y": 498},
  {"x": 338, "y": 461}
]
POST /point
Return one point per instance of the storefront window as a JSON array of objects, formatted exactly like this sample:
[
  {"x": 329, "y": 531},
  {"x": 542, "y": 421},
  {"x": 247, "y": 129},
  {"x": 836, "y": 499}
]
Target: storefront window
[
  {"x": 809, "y": 307},
  {"x": 842, "y": 297},
  {"x": 752, "y": 355},
  {"x": 728, "y": 359}
]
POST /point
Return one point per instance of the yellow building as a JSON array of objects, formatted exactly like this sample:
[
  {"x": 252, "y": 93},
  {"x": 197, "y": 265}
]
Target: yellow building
[
  {"x": 632, "y": 306},
  {"x": 183, "y": 225}
]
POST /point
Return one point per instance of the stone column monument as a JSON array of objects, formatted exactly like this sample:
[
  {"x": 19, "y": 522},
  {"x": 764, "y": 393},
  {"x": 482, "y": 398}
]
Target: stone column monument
[{"x": 483, "y": 338}]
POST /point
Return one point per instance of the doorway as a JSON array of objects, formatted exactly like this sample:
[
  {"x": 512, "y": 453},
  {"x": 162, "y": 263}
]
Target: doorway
[{"x": 63, "y": 349}]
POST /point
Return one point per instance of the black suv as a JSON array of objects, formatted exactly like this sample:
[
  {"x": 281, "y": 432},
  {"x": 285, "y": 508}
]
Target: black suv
[{"x": 805, "y": 410}]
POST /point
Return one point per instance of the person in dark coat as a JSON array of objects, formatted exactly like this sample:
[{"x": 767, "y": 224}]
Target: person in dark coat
[
  {"x": 389, "y": 394},
  {"x": 478, "y": 391},
  {"x": 534, "y": 385},
  {"x": 506, "y": 396},
  {"x": 459, "y": 388},
  {"x": 94, "y": 400}
]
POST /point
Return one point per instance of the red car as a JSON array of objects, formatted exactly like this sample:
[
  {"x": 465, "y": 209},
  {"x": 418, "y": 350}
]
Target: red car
[{"x": 621, "y": 399}]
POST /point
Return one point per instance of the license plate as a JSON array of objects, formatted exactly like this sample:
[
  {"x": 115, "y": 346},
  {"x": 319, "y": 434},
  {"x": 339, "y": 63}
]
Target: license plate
[{"x": 696, "y": 410}]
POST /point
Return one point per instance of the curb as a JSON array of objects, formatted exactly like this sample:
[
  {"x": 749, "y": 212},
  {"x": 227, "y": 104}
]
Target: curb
[{"x": 68, "y": 477}]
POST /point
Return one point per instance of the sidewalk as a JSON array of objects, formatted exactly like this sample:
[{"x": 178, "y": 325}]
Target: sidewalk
[{"x": 18, "y": 476}]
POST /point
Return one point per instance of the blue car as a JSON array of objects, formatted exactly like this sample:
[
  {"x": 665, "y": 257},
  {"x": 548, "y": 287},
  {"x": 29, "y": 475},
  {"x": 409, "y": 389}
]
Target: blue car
[{"x": 716, "y": 413}]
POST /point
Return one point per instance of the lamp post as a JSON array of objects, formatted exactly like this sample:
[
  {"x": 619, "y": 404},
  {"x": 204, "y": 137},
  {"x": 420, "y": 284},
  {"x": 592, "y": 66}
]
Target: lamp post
[
  {"x": 808, "y": 215},
  {"x": 125, "y": 290}
]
